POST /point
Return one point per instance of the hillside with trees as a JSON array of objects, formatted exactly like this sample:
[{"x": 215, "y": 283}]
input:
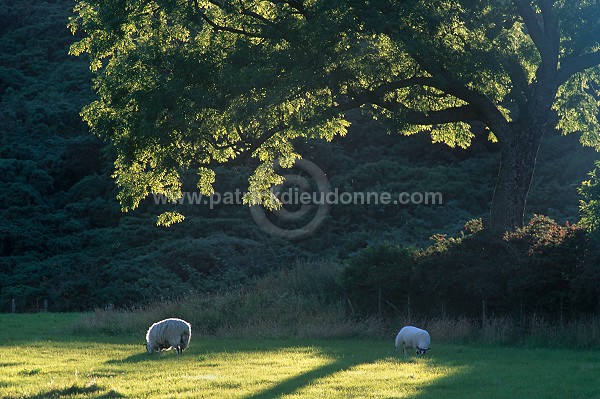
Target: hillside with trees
[{"x": 63, "y": 236}]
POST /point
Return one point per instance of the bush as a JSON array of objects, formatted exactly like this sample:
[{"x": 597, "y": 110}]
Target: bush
[
  {"x": 543, "y": 268},
  {"x": 529, "y": 270},
  {"x": 377, "y": 280}
]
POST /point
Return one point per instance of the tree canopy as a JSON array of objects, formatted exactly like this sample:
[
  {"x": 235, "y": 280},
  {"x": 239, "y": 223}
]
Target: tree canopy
[{"x": 192, "y": 84}]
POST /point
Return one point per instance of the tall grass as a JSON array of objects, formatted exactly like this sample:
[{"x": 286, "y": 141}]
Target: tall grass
[
  {"x": 535, "y": 331},
  {"x": 302, "y": 301},
  {"x": 306, "y": 301}
]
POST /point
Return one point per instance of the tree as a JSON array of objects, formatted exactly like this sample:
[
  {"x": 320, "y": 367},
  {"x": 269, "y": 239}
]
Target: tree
[
  {"x": 590, "y": 205},
  {"x": 191, "y": 84}
]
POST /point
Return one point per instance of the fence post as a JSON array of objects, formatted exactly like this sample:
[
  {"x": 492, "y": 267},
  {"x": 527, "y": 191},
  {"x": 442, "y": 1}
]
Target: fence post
[
  {"x": 46, "y": 305},
  {"x": 14, "y": 305}
]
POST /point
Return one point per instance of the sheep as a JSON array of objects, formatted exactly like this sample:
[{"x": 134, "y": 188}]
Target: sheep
[
  {"x": 168, "y": 334},
  {"x": 413, "y": 337}
]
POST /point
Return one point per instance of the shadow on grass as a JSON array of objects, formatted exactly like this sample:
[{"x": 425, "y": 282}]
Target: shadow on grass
[
  {"x": 291, "y": 385},
  {"x": 69, "y": 340},
  {"x": 145, "y": 357},
  {"x": 138, "y": 357},
  {"x": 9, "y": 364},
  {"x": 92, "y": 391},
  {"x": 510, "y": 372},
  {"x": 342, "y": 360}
]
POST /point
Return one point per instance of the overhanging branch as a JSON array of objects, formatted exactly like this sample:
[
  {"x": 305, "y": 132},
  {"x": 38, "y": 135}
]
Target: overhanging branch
[
  {"x": 297, "y": 5},
  {"x": 376, "y": 97},
  {"x": 574, "y": 64},
  {"x": 367, "y": 96},
  {"x": 463, "y": 113},
  {"x": 479, "y": 106},
  {"x": 488, "y": 111},
  {"x": 215, "y": 26}
]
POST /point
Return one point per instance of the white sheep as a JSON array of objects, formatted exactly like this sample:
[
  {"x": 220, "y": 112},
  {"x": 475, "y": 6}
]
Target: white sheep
[
  {"x": 413, "y": 337},
  {"x": 168, "y": 334}
]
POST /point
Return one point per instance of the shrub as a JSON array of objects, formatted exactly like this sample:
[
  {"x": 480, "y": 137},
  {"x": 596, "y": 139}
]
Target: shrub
[
  {"x": 543, "y": 268},
  {"x": 377, "y": 280},
  {"x": 529, "y": 270}
]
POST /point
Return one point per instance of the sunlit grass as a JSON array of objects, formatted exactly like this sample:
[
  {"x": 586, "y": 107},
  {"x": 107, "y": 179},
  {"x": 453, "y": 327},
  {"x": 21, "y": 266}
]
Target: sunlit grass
[
  {"x": 38, "y": 361},
  {"x": 213, "y": 368}
]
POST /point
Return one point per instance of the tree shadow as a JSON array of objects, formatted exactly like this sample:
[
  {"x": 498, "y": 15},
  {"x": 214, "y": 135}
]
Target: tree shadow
[
  {"x": 93, "y": 391},
  {"x": 342, "y": 361},
  {"x": 507, "y": 372},
  {"x": 201, "y": 352},
  {"x": 292, "y": 384}
]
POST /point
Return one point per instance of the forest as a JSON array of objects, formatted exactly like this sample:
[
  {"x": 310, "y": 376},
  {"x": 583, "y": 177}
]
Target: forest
[{"x": 64, "y": 238}]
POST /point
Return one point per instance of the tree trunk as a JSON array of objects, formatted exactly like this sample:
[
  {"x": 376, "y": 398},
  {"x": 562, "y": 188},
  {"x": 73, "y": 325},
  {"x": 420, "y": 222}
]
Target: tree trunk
[{"x": 519, "y": 155}]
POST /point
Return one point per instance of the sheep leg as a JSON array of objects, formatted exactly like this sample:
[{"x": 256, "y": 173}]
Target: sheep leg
[{"x": 183, "y": 341}]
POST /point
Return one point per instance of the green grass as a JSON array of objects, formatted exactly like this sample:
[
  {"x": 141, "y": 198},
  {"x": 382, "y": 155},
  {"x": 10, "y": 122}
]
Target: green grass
[{"x": 39, "y": 360}]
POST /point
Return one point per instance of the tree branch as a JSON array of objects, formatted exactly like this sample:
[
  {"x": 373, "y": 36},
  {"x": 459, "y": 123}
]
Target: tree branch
[
  {"x": 479, "y": 106},
  {"x": 574, "y": 64},
  {"x": 227, "y": 28},
  {"x": 218, "y": 27},
  {"x": 359, "y": 99},
  {"x": 252, "y": 145},
  {"x": 533, "y": 27},
  {"x": 376, "y": 95},
  {"x": 462, "y": 113},
  {"x": 264, "y": 20},
  {"x": 384, "y": 88},
  {"x": 445, "y": 81},
  {"x": 297, "y": 5},
  {"x": 550, "y": 23},
  {"x": 518, "y": 77}
]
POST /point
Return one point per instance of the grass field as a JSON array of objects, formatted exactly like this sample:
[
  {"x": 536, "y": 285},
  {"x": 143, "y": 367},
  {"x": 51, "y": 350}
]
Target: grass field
[{"x": 38, "y": 360}]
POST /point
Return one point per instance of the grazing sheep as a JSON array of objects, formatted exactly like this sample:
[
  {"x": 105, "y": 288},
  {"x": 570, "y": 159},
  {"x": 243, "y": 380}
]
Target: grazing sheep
[
  {"x": 168, "y": 334},
  {"x": 413, "y": 337}
]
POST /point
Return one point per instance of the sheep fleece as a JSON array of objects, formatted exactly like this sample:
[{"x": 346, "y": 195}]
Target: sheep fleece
[
  {"x": 168, "y": 334},
  {"x": 413, "y": 337}
]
